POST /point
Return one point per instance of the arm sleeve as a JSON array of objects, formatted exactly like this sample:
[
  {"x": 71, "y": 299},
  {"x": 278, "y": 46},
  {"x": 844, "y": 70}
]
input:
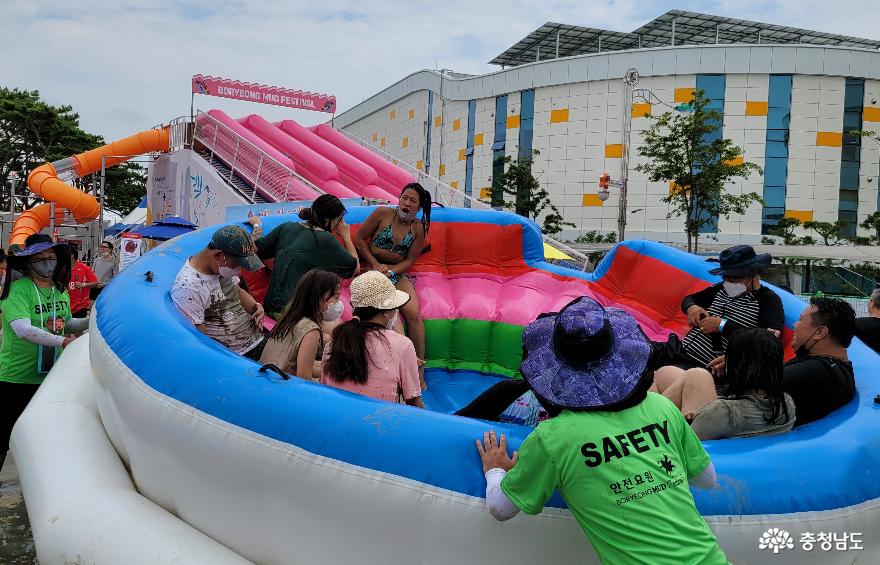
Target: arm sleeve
[
  {"x": 713, "y": 421},
  {"x": 76, "y": 325},
  {"x": 268, "y": 244},
  {"x": 771, "y": 314},
  {"x": 190, "y": 303},
  {"x": 409, "y": 371},
  {"x": 342, "y": 263},
  {"x": 703, "y": 298},
  {"x": 706, "y": 479},
  {"x": 26, "y": 331},
  {"x": 533, "y": 479},
  {"x": 500, "y": 507}
]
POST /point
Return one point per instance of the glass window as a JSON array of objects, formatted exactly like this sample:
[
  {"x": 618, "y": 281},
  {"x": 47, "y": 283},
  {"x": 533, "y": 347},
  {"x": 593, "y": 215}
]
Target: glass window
[
  {"x": 527, "y": 117},
  {"x": 777, "y": 135},
  {"x": 774, "y": 197},
  {"x": 778, "y": 118},
  {"x": 776, "y": 149},
  {"x": 854, "y": 94},
  {"x": 780, "y": 92},
  {"x": 849, "y": 176},
  {"x": 500, "y": 119},
  {"x": 775, "y": 171}
]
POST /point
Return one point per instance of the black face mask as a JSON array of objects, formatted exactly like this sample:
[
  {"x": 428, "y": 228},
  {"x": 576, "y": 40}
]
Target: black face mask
[{"x": 804, "y": 350}]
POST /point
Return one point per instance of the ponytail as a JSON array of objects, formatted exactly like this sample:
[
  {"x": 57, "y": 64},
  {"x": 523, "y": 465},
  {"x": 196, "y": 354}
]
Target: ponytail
[{"x": 348, "y": 358}]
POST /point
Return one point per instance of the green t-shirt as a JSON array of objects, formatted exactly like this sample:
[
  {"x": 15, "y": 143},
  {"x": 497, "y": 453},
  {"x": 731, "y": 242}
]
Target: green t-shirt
[
  {"x": 624, "y": 476},
  {"x": 18, "y": 358},
  {"x": 297, "y": 249}
]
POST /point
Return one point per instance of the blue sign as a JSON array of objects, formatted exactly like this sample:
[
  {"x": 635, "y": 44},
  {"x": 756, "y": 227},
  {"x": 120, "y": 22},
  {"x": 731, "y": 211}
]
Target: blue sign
[{"x": 242, "y": 213}]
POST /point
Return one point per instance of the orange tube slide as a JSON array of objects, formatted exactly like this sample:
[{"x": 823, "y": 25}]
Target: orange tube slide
[{"x": 44, "y": 182}]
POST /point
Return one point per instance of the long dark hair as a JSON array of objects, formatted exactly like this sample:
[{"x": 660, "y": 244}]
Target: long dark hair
[
  {"x": 60, "y": 278},
  {"x": 425, "y": 202},
  {"x": 324, "y": 209},
  {"x": 348, "y": 359},
  {"x": 306, "y": 301},
  {"x": 754, "y": 361}
]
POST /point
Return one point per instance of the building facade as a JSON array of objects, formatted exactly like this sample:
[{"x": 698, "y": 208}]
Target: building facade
[{"x": 789, "y": 107}]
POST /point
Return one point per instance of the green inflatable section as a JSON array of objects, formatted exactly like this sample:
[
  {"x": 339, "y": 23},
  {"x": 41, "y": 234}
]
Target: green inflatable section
[{"x": 474, "y": 345}]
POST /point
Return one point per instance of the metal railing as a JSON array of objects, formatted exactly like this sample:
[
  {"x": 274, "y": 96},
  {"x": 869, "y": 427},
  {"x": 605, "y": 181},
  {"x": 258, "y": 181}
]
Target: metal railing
[
  {"x": 275, "y": 181},
  {"x": 450, "y": 197}
]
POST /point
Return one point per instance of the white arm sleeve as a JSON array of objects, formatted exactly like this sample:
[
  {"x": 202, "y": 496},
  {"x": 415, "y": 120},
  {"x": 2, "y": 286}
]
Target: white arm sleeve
[
  {"x": 26, "y": 331},
  {"x": 500, "y": 507},
  {"x": 706, "y": 479}
]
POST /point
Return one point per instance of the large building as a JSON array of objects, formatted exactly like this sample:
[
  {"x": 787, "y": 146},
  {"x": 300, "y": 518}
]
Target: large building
[{"x": 789, "y": 97}]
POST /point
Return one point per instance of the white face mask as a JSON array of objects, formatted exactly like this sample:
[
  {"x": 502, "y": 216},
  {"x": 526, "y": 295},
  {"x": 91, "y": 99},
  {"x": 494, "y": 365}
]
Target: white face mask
[
  {"x": 392, "y": 321},
  {"x": 333, "y": 312},
  {"x": 734, "y": 289},
  {"x": 226, "y": 271}
]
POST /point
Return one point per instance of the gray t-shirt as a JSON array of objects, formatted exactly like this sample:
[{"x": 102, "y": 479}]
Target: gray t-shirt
[
  {"x": 213, "y": 301},
  {"x": 742, "y": 417},
  {"x": 105, "y": 269}
]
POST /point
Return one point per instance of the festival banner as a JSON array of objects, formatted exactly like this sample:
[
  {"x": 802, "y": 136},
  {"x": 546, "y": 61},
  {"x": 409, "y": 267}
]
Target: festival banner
[
  {"x": 275, "y": 95},
  {"x": 242, "y": 213},
  {"x": 129, "y": 249}
]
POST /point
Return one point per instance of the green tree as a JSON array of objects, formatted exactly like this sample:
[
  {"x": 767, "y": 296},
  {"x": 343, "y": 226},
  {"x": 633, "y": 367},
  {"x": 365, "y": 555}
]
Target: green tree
[
  {"x": 785, "y": 228},
  {"x": 675, "y": 150},
  {"x": 530, "y": 199},
  {"x": 830, "y": 232},
  {"x": 33, "y": 132},
  {"x": 872, "y": 222}
]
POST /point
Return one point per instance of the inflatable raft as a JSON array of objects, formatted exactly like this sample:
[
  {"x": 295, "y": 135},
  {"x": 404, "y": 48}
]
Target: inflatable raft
[{"x": 286, "y": 471}]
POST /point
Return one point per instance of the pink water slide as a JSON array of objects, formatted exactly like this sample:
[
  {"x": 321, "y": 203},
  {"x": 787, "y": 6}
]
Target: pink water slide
[
  {"x": 391, "y": 177},
  {"x": 315, "y": 168},
  {"x": 243, "y": 156},
  {"x": 354, "y": 173}
]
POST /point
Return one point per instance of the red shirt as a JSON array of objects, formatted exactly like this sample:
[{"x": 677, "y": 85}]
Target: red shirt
[{"x": 79, "y": 297}]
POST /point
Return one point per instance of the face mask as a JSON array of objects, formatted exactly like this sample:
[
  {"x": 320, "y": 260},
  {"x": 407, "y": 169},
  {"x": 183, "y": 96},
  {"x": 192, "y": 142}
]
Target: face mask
[
  {"x": 734, "y": 289},
  {"x": 407, "y": 216},
  {"x": 333, "y": 312},
  {"x": 392, "y": 321},
  {"x": 44, "y": 267},
  {"x": 228, "y": 272},
  {"x": 105, "y": 253},
  {"x": 804, "y": 350}
]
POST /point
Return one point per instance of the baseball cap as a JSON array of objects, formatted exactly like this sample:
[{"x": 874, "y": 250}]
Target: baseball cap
[{"x": 235, "y": 242}]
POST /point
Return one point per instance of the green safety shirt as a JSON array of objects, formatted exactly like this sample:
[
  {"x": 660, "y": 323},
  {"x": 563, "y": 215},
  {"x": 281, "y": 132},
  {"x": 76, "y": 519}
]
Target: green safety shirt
[
  {"x": 624, "y": 476},
  {"x": 18, "y": 357}
]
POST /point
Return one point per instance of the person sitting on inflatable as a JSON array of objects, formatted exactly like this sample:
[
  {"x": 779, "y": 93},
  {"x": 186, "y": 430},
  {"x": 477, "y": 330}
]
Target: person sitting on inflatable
[
  {"x": 365, "y": 355},
  {"x": 820, "y": 378},
  {"x": 297, "y": 338},
  {"x": 298, "y": 248},
  {"x": 389, "y": 241},
  {"x": 620, "y": 457},
  {"x": 753, "y": 401},
  {"x": 206, "y": 291},
  {"x": 716, "y": 313}
]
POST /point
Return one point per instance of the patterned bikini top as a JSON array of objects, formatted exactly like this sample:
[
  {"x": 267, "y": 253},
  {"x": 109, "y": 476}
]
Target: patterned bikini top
[{"x": 385, "y": 240}]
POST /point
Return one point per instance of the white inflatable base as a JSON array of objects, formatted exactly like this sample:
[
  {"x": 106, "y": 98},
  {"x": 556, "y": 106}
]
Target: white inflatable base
[
  {"x": 276, "y": 503},
  {"x": 82, "y": 505}
]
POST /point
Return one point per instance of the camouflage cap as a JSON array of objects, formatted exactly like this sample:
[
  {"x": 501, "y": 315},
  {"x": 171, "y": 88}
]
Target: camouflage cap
[{"x": 236, "y": 243}]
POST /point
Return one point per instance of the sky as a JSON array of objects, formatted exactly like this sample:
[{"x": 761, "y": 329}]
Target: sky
[{"x": 126, "y": 66}]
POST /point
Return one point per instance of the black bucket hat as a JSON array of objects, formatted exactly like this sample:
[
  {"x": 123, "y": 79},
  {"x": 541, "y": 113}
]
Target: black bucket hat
[{"x": 741, "y": 261}]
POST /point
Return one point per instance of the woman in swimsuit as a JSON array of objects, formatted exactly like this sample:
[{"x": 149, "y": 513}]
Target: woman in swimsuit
[{"x": 389, "y": 241}]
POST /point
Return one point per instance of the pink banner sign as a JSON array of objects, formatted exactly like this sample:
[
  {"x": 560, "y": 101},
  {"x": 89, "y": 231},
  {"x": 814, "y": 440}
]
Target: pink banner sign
[{"x": 227, "y": 88}]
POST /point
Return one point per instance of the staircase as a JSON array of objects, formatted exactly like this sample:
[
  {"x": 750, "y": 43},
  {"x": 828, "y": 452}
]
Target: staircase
[{"x": 240, "y": 186}]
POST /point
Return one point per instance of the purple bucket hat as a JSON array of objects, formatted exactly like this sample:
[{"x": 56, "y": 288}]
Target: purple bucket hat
[{"x": 586, "y": 357}]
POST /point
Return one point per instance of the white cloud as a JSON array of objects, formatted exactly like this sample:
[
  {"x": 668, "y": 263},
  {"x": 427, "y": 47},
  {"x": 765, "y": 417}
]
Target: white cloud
[{"x": 126, "y": 66}]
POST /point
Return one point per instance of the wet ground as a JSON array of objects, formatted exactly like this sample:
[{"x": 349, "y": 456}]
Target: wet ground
[{"x": 16, "y": 542}]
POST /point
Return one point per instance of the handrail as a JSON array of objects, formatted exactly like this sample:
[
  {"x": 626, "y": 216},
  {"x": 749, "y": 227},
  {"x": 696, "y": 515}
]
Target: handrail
[
  {"x": 450, "y": 197},
  {"x": 274, "y": 180}
]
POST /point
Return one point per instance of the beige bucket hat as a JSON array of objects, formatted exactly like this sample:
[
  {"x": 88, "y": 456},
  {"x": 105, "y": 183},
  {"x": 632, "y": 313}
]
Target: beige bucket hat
[{"x": 376, "y": 290}]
